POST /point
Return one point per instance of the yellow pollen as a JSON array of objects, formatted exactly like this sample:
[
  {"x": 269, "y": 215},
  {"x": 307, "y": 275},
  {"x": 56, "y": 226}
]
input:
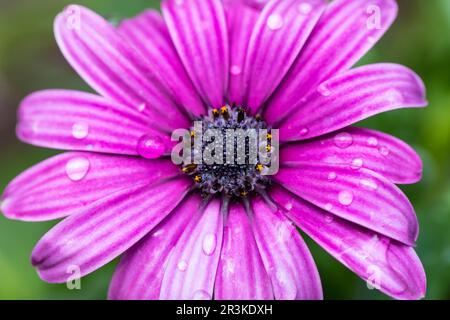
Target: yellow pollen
[
  {"x": 269, "y": 136},
  {"x": 259, "y": 167},
  {"x": 198, "y": 179}
]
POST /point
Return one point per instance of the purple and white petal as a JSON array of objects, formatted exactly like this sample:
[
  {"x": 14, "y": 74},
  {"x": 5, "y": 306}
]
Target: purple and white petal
[
  {"x": 73, "y": 120},
  {"x": 105, "y": 60},
  {"x": 379, "y": 152},
  {"x": 280, "y": 33},
  {"x": 96, "y": 235},
  {"x": 385, "y": 264},
  {"x": 354, "y": 96},
  {"x": 346, "y": 31},
  {"x": 192, "y": 266},
  {"x": 148, "y": 34},
  {"x": 141, "y": 269},
  {"x": 356, "y": 194},
  {"x": 199, "y": 32},
  {"x": 285, "y": 255},
  {"x": 241, "y": 20},
  {"x": 241, "y": 274},
  {"x": 70, "y": 182}
]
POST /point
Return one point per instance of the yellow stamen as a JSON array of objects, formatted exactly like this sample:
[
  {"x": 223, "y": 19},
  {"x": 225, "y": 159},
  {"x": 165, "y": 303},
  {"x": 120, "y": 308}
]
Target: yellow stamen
[
  {"x": 198, "y": 179},
  {"x": 259, "y": 167}
]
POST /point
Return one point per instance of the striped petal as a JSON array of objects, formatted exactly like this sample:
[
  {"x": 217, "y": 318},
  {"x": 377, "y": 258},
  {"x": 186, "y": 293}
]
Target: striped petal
[
  {"x": 72, "y": 120},
  {"x": 241, "y": 274},
  {"x": 354, "y": 96},
  {"x": 70, "y": 182},
  {"x": 280, "y": 33},
  {"x": 286, "y": 257},
  {"x": 241, "y": 22},
  {"x": 385, "y": 264},
  {"x": 355, "y": 194},
  {"x": 191, "y": 269},
  {"x": 379, "y": 152},
  {"x": 92, "y": 237},
  {"x": 141, "y": 269},
  {"x": 112, "y": 67},
  {"x": 199, "y": 32},
  {"x": 148, "y": 34},
  {"x": 345, "y": 32}
]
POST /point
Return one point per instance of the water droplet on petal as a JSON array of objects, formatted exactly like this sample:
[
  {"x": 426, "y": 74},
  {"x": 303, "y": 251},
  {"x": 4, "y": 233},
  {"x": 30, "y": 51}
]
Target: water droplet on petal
[
  {"x": 332, "y": 176},
  {"x": 288, "y": 206},
  {"x": 182, "y": 265},
  {"x": 343, "y": 140},
  {"x": 304, "y": 8},
  {"x": 323, "y": 90},
  {"x": 179, "y": 2},
  {"x": 384, "y": 151},
  {"x": 235, "y": 70},
  {"x": 357, "y": 164},
  {"x": 328, "y": 207},
  {"x": 142, "y": 107},
  {"x": 345, "y": 198},
  {"x": 275, "y": 22},
  {"x": 329, "y": 218},
  {"x": 201, "y": 295},
  {"x": 77, "y": 168},
  {"x": 368, "y": 184},
  {"x": 80, "y": 130},
  {"x": 372, "y": 40},
  {"x": 150, "y": 147},
  {"x": 209, "y": 244},
  {"x": 372, "y": 142},
  {"x": 304, "y": 132}
]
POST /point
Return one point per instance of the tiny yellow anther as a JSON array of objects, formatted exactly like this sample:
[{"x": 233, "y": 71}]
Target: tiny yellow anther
[
  {"x": 198, "y": 179},
  {"x": 259, "y": 167}
]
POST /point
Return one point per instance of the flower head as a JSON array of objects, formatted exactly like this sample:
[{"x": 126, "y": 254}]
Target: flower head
[{"x": 223, "y": 231}]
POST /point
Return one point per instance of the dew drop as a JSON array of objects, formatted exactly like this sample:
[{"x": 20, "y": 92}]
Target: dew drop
[
  {"x": 332, "y": 176},
  {"x": 288, "y": 206},
  {"x": 328, "y": 207},
  {"x": 372, "y": 142},
  {"x": 150, "y": 147},
  {"x": 343, "y": 140},
  {"x": 77, "y": 168},
  {"x": 235, "y": 70},
  {"x": 357, "y": 164},
  {"x": 201, "y": 295},
  {"x": 182, "y": 265},
  {"x": 304, "y": 8},
  {"x": 304, "y": 132},
  {"x": 368, "y": 184},
  {"x": 384, "y": 151},
  {"x": 323, "y": 90},
  {"x": 80, "y": 130},
  {"x": 275, "y": 22},
  {"x": 345, "y": 198},
  {"x": 329, "y": 218},
  {"x": 209, "y": 244},
  {"x": 142, "y": 107},
  {"x": 372, "y": 40}
]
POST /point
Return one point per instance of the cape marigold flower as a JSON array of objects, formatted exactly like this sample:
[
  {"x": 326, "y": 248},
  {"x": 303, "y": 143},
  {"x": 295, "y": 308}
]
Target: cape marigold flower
[{"x": 284, "y": 64}]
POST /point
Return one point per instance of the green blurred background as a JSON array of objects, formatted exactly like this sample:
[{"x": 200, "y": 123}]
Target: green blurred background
[{"x": 420, "y": 39}]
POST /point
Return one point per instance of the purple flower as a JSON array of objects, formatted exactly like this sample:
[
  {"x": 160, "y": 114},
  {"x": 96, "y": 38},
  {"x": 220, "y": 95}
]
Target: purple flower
[{"x": 200, "y": 232}]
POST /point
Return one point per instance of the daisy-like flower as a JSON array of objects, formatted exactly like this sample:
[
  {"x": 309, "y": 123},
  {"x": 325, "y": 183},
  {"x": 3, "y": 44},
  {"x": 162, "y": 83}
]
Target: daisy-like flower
[{"x": 223, "y": 232}]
